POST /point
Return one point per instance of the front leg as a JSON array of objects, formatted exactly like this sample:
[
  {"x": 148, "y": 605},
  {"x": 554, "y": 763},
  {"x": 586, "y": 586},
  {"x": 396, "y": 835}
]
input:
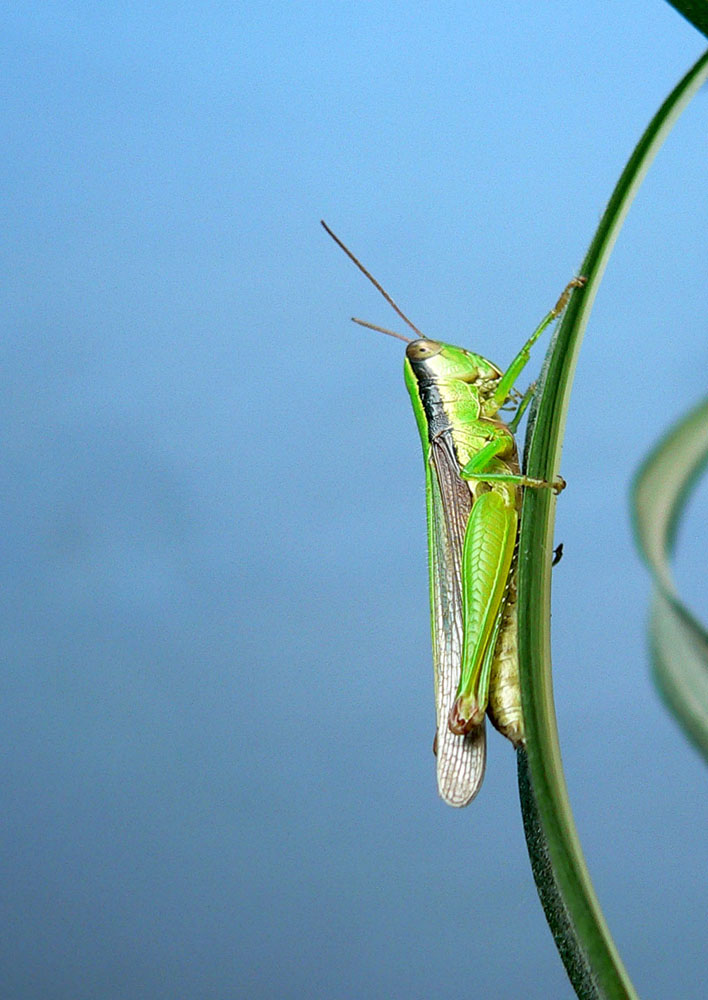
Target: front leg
[
  {"x": 477, "y": 468},
  {"x": 521, "y": 408}
]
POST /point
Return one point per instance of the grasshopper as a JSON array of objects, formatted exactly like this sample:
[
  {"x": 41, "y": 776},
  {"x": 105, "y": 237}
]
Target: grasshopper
[{"x": 473, "y": 490}]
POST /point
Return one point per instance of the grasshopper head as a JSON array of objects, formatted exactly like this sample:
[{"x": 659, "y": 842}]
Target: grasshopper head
[{"x": 443, "y": 361}]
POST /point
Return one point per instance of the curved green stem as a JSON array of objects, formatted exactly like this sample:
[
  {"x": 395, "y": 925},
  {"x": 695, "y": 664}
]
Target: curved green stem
[{"x": 574, "y": 914}]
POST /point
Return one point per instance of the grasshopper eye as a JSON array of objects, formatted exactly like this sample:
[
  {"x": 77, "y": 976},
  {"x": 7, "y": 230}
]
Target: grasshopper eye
[{"x": 421, "y": 350}]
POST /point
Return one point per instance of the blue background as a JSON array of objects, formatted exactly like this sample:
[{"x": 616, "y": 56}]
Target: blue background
[{"x": 216, "y": 686}]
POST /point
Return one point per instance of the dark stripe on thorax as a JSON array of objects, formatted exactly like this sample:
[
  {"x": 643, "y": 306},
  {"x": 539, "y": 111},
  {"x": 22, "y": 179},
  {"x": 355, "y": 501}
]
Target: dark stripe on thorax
[{"x": 431, "y": 400}]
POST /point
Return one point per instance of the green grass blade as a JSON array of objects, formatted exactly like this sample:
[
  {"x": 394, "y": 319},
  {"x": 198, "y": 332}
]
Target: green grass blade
[
  {"x": 679, "y": 643},
  {"x": 572, "y": 909},
  {"x": 695, "y": 11}
]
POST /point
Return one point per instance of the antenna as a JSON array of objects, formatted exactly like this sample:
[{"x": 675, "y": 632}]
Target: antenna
[
  {"x": 376, "y": 285},
  {"x": 381, "y": 329}
]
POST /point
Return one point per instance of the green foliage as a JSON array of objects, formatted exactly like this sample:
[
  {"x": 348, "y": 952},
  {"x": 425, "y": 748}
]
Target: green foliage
[
  {"x": 679, "y": 643},
  {"x": 695, "y": 11},
  {"x": 572, "y": 909}
]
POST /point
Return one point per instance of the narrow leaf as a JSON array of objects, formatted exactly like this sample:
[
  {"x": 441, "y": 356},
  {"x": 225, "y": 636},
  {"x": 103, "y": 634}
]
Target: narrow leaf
[
  {"x": 588, "y": 952},
  {"x": 679, "y": 643},
  {"x": 695, "y": 11}
]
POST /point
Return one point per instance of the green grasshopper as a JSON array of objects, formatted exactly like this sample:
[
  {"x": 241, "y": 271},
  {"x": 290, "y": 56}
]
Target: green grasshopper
[{"x": 473, "y": 490}]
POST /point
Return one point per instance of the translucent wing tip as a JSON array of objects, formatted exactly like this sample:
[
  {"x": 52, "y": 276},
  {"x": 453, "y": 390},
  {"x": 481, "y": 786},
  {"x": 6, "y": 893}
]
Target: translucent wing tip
[{"x": 461, "y": 761}]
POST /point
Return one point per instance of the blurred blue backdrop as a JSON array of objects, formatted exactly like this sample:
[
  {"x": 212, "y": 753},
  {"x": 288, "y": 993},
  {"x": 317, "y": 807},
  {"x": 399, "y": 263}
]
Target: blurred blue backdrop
[{"x": 216, "y": 687}]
